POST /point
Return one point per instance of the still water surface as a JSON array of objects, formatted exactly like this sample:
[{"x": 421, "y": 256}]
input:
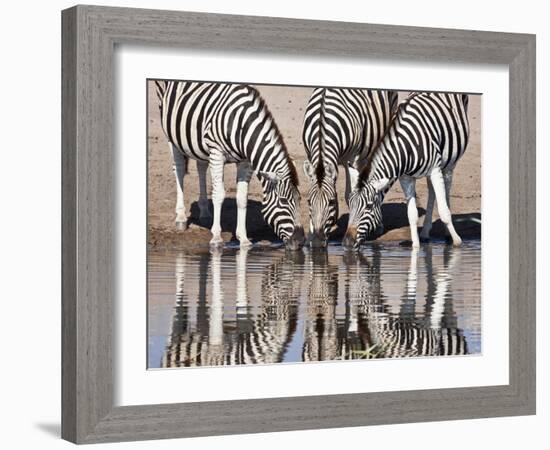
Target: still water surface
[{"x": 261, "y": 305}]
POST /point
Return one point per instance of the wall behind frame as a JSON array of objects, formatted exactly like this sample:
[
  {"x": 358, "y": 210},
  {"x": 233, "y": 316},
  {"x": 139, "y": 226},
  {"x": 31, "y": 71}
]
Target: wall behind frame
[{"x": 30, "y": 186}]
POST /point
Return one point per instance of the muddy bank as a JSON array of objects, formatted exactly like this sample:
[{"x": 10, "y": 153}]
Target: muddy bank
[{"x": 396, "y": 228}]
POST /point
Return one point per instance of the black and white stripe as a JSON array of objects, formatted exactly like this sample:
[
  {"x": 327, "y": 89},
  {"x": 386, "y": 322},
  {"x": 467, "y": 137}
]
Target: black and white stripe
[
  {"x": 214, "y": 324},
  {"x": 416, "y": 329},
  {"x": 427, "y": 137},
  {"x": 208, "y": 339},
  {"x": 341, "y": 127},
  {"x": 373, "y": 324},
  {"x": 219, "y": 123}
]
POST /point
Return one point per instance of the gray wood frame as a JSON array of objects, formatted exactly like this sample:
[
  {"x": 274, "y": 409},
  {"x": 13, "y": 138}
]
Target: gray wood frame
[{"x": 89, "y": 36}]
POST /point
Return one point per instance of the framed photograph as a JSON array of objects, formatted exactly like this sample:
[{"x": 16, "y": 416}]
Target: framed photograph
[{"x": 278, "y": 224}]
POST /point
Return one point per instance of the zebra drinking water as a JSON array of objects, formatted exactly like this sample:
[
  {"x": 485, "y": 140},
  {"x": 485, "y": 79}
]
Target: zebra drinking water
[
  {"x": 341, "y": 126},
  {"x": 219, "y": 123},
  {"x": 427, "y": 137}
]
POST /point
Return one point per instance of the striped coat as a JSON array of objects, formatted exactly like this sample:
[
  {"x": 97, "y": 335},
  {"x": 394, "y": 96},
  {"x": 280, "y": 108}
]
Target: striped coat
[
  {"x": 341, "y": 127},
  {"x": 426, "y": 139},
  {"x": 219, "y": 123}
]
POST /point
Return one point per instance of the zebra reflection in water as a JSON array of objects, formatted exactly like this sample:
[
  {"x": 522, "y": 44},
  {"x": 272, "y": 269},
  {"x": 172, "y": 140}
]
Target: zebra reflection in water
[
  {"x": 382, "y": 332},
  {"x": 321, "y": 327},
  {"x": 247, "y": 339},
  {"x": 253, "y": 308}
]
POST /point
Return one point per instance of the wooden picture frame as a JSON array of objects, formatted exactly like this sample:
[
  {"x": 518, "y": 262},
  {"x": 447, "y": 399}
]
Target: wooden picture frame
[{"x": 90, "y": 34}]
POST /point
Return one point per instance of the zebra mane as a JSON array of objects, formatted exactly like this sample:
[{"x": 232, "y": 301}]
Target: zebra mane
[
  {"x": 160, "y": 86},
  {"x": 365, "y": 171},
  {"x": 292, "y": 169},
  {"x": 320, "y": 169}
]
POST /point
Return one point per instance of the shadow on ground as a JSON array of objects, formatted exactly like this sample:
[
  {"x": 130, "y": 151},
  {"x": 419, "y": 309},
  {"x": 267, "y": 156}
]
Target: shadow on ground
[
  {"x": 396, "y": 226},
  {"x": 198, "y": 232},
  {"x": 256, "y": 226}
]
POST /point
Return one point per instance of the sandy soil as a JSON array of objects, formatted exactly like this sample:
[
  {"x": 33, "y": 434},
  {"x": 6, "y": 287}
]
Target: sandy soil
[{"x": 287, "y": 105}]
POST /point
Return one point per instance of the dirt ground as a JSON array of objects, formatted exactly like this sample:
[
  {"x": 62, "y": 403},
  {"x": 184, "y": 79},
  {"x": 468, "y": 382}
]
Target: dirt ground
[{"x": 287, "y": 105}]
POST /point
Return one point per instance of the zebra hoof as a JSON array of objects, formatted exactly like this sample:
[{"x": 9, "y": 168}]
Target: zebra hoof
[
  {"x": 449, "y": 241},
  {"x": 245, "y": 243},
  {"x": 181, "y": 225},
  {"x": 216, "y": 242}
]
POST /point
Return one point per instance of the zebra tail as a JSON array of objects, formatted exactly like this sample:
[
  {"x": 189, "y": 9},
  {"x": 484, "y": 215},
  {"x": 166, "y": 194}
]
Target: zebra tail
[{"x": 160, "y": 87}]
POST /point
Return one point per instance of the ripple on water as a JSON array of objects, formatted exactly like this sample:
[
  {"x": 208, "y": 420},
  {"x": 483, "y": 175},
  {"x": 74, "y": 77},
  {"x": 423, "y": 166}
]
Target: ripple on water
[{"x": 262, "y": 305}]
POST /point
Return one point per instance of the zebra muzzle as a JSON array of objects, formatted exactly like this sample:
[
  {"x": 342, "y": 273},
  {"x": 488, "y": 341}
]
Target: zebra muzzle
[
  {"x": 350, "y": 239},
  {"x": 296, "y": 240},
  {"x": 318, "y": 239}
]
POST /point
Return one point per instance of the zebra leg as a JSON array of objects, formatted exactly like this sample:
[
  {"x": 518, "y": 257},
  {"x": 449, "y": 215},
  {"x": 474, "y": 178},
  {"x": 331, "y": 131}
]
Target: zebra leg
[
  {"x": 427, "y": 227},
  {"x": 180, "y": 165},
  {"x": 215, "y": 330},
  {"x": 244, "y": 173},
  {"x": 408, "y": 303},
  {"x": 242, "y": 285},
  {"x": 448, "y": 180},
  {"x": 217, "y": 162},
  {"x": 353, "y": 175},
  {"x": 443, "y": 287},
  {"x": 204, "y": 214},
  {"x": 348, "y": 183},
  {"x": 444, "y": 212},
  {"x": 408, "y": 185}
]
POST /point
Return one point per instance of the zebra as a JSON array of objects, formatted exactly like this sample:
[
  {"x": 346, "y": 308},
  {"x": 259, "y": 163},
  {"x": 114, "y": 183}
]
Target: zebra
[
  {"x": 427, "y": 137},
  {"x": 202, "y": 336},
  {"x": 213, "y": 327},
  {"x": 321, "y": 328},
  {"x": 433, "y": 331},
  {"x": 219, "y": 123},
  {"x": 375, "y": 324},
  {"x": 341, "y": 126}
]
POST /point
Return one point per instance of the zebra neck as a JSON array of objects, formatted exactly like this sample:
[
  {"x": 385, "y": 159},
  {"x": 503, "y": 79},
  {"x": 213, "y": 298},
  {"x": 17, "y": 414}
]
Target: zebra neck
[
  {"x": 269, "y": 180},
  {"x": 273, "y": 161},
  {"x": 386, "y": 165},
  {"x": 268, "y": 183},
  {"x": 324, "y": 166}
]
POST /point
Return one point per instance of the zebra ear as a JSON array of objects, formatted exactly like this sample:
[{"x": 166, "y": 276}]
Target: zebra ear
[
  {"x": 379, "y": 185},
  {"x": 353, "y": 177},
  {"x": 309, "y": 171},
  {"x": 271, "y": 177},
  {"x": 330, "y": 171}
]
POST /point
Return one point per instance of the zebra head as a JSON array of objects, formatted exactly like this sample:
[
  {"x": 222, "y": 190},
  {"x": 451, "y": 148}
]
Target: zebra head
[
  {"x": 365, "y": 213},
  {"x": 280, "y": 207},
  {"x": 322, "y": 200}
]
